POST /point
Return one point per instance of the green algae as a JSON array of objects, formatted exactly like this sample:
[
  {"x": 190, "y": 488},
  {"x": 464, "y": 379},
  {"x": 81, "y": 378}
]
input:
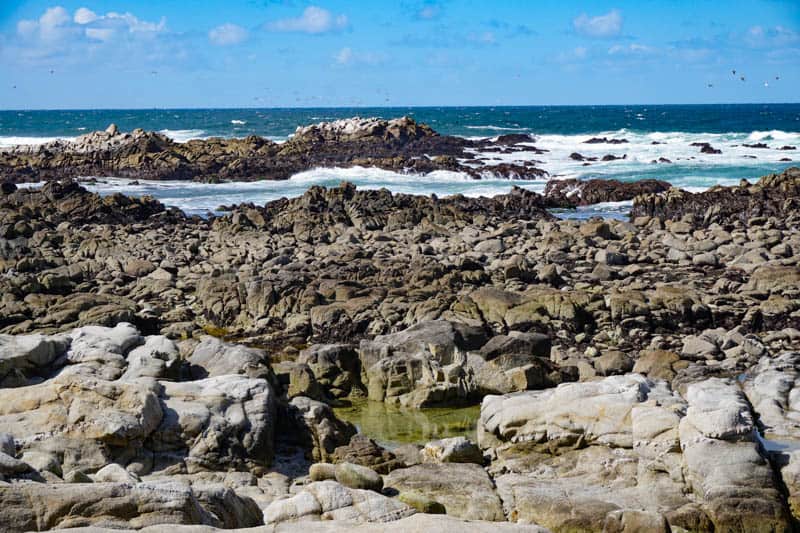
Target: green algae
[{"x": 392, "y": 426}]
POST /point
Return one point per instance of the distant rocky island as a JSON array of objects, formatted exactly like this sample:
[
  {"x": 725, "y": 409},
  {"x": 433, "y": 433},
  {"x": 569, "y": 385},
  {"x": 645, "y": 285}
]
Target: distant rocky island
[{"x": 163, "y": 369}]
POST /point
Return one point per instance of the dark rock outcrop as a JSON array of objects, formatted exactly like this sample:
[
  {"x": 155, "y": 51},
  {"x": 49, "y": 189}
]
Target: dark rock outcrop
[
  {"x": 573, "y": 192},
  {"x": 775, "y": 195},
  {"x": 401, "y": 145}
]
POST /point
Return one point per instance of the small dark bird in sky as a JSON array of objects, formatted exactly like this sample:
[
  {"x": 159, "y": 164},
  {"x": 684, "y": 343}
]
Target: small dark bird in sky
[
  {"x": 777, "y": 77},
  {"x": 52, "y": 71},
  {"x": 14, "y": 87},
  {"x": 734, "y": 72},
  {"x": 742, "y": 78},
  {"x": 710, "y": 85}
]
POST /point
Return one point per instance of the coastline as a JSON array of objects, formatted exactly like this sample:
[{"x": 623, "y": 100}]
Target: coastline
[{"x": 189, "y": 367}]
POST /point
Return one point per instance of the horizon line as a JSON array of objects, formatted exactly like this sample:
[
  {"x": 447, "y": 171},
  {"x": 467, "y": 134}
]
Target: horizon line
[{"x": 471, "y": 106}]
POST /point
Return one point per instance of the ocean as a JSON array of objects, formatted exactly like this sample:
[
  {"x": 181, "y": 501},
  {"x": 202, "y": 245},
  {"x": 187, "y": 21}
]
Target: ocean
[{"x": 652, "y": 132}]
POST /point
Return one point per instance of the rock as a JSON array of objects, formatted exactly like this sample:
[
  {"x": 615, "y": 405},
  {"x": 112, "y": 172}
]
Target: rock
[
  {"x": 76, "y": 476},
  {"x": 516, "y": 342},
  {"x": 421, "y": 503},
  {"x": 7, "y": 444},
  {"x": 452, "y": 450},
  {"x": 217, "y": 422},
  {"x": 549, "y": 417},
  {"x": 158, "y": 357},
  {"x": 328, "y": 500},
  {"x": 25, "y": 356},
  {"x": 464, "y": 489},
  {"x": 657, "y": 364},
  {"x": 611, "y": 258},
  {"x": 322, "y": 471},
  {"x": 705, "y": 259},
  {"x": 112, "y": 130},
  {"x": 572, "y": 192},
  {"x": 421, "y": 366},
  {"x": 114, "y": 473},
  {"x": 114, "y": 505},
  {"x": 336, "y": 367},
  {"x": 10, "y": 466},
  {"x": 138, "y": 268},
  {"x": 314, "y": 426},
  {"x": 358, "y": 477},
  {"x": 303, "y": 383},
  {"x": 723, "y": 460},
  {"x": 364, "y": 451},
  {"x": 612, "y": 363},
  {"x": 724, "y": 204},
  {"x": 213, "y": 357}
]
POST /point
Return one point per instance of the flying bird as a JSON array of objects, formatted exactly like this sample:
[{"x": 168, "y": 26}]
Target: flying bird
[
  {"x": 742, "y": 78},
  {"x": 766, "y": 84},
  {"x": 777, "y": 77},
  {"x": 734, "y": 72},
  {"x": 710, "y": 85},
  {"x": 52, "y": 71}
]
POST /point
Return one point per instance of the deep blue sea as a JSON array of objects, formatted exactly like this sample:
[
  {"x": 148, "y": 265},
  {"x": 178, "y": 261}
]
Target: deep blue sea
[{"x": 652, "y": 132}]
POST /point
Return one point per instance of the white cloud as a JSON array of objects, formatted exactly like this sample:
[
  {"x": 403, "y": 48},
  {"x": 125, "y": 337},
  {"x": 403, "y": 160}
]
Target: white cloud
[
  {"x": 631, "y": 49},
  {"x": 57, "y": 34},
  {"x": 227, "y": 34},
  {"x": 313, "y": 20},
  {"x": 608, "y": 25},
  {"x": 84, "y": 16},
  {"x": 53, "y": 25}
]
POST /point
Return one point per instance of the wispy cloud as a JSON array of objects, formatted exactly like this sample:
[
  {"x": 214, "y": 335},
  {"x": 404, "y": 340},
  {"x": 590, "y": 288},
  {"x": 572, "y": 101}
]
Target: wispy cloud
[
  {"x": 630, "y": 49},
  {"x": 313, "y": 20},
  {"x": 601, "y": 26},
  {"x": 227, "y": 34},
  {"x": 347, "y": 56}
]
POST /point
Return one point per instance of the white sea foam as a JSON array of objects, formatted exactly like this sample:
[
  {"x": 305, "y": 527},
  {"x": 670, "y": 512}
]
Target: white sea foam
[
  {"x": 183, "y": 136},
  {"x": 496, "y": 128},
  {"x": 195, "y": 197},
  {"x": 28, "y": 141},
  {"x": 239, "y": 122}
]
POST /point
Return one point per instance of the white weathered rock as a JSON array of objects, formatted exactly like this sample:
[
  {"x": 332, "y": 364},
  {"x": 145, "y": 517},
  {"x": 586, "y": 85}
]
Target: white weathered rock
[{"x": 328, "y": 500}]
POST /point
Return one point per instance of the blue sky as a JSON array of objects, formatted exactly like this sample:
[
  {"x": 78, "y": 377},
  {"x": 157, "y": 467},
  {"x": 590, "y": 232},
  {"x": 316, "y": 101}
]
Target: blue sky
[{"x": 288, "y": 53}]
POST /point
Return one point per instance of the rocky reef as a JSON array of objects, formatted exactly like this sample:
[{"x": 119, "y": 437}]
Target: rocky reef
[
  {"x": 400, "y": 145},
  {"x": 162, "y": 369}
]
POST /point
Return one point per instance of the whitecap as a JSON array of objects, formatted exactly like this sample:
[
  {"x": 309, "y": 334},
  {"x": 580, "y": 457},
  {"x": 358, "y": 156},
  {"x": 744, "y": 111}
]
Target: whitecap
[
  {"x": 182, "y": 136},
  {"x": 238, "y": 122},
  {"x": 15, "y": 140},
  {"x": 773, "y": 135},
  {"x": 496, "y": 128}
]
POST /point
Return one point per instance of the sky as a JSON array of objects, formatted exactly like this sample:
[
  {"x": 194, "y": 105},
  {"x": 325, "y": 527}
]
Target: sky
[{"x": 287, "y": 53}]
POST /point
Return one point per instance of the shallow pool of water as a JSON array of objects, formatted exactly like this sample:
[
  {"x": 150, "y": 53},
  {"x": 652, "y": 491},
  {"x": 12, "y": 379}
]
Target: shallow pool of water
[{"x": 392, "y": 426}]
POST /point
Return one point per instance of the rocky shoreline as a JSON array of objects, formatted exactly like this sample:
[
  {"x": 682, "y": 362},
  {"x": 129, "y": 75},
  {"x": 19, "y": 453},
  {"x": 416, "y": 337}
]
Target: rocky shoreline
[{"x": 157, "y": 368}]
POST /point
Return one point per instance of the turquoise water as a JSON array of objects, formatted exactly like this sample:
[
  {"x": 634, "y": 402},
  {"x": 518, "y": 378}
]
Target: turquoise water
[{"x": 652, "y": 132}]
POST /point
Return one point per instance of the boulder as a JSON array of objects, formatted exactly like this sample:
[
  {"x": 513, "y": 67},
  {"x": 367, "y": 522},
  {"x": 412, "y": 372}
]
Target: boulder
[{"x": 213, "y": 357}]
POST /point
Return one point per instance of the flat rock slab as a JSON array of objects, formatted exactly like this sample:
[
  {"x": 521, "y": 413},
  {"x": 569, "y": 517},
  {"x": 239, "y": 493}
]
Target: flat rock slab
[{"x": 465, "y": 490}]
